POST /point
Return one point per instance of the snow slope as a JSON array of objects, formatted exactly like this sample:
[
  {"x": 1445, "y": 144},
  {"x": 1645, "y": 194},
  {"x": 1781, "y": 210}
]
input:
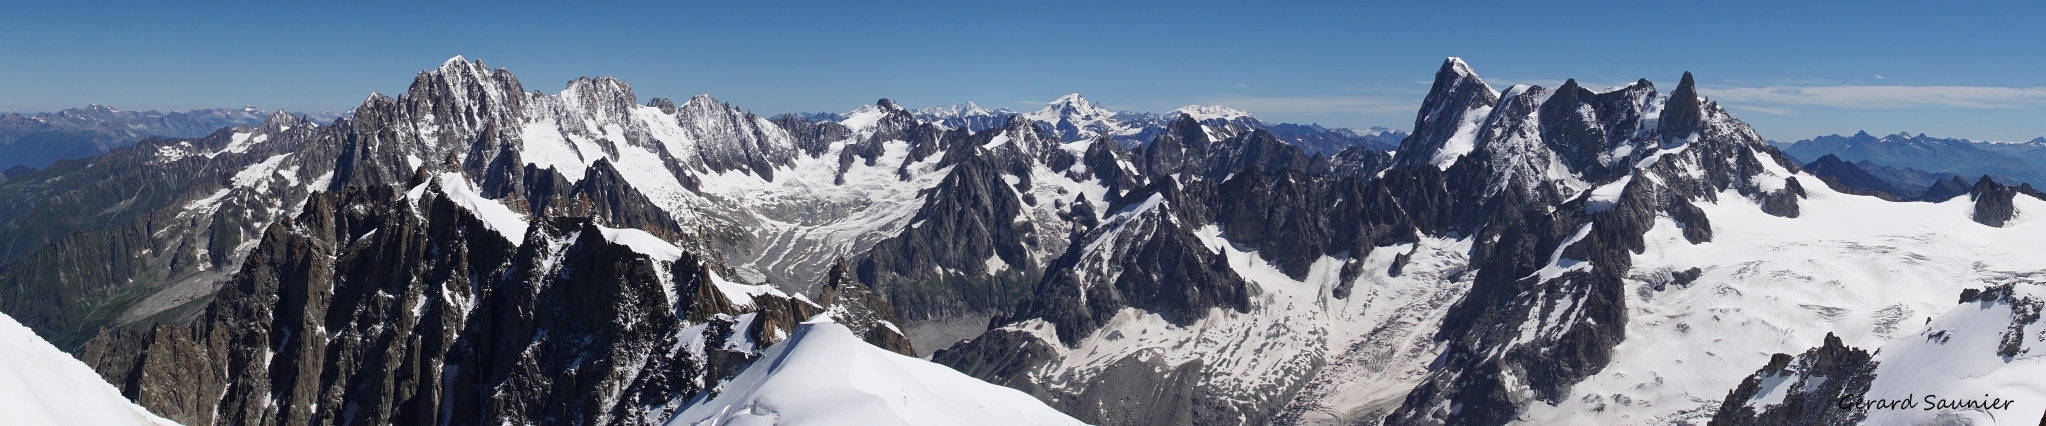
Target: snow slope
[
  {"x": 823, "y": 375},
  {"x": 40, "y": 385},
  {"x": 1955, "y": 358},
  {"x": 1870, "y": 271}
]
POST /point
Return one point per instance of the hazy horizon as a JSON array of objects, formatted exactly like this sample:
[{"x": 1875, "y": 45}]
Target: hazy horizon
[{"x": 1792, "y": 71}]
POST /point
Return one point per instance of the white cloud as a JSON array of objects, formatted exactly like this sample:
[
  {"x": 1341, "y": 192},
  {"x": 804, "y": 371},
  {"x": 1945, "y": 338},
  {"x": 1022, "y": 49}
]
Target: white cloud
[
  {"x": 1316, "y": 105},
  {"x": 1764, "y": 110},
  {"x": 1883, "y": 97}
]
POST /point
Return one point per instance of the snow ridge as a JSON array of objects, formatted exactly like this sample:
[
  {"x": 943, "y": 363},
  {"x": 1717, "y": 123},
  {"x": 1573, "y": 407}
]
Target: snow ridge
[
  {"x": 824, "y": 375},
  {"x": 42, "y": 385}
]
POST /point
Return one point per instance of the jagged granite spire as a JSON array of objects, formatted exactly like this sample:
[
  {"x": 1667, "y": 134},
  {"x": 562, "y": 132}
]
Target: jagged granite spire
[
  {"x": 1447, "y": 126},
  {"x": 1682, "y": 115}
]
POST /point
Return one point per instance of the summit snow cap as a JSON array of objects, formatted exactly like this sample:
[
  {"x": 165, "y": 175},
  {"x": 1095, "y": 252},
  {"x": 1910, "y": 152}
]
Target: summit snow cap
[
  {"x": 823, "y": 374},
  {"x": 1450, "y": 118},
  {"x": 1456, "y": 65},
  {"x": 1211, "y": 112}
]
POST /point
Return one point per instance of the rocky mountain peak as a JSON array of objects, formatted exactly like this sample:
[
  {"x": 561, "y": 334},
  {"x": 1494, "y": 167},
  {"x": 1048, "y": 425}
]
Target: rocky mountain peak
[
  {"x": 1456, "y": 65},
  {"x": 603, "y": 99},
  {"x": 1569, "y": 84},
  {"x": 1212, "y": 112},
  {"x": 1447, "y": 127},
  {"x": 1682, "y": 113},
  {"x": 464, "y": 79},
  {"x": 1072, "y": 107},
  {"x": 968, "y": 109},
  {"x": 1071, "y": 101},
  {"x": 889, "y": 104},
  {"x": 969, "y": 116},
  {"x": 1598, "y": 134},
  {"x": 703, "y": 102},
  {"x": 280, "y": 120}
]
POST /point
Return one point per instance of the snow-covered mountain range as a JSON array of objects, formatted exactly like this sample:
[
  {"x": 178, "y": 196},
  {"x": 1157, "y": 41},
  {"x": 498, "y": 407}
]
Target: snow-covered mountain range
[
  {"x": 33, "y": 141},
  {"x": 472, "y": 251},
  {"x": 1072, "y": 118},
  {"x": 2012, "y": 163}
]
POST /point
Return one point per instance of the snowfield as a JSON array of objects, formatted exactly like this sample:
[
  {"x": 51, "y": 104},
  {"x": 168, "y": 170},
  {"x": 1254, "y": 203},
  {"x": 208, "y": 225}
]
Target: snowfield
[
  {"x": 823, "y": 375},
  {"x": 40, "y": 385},
  {"x": 1878, "y": 274}
]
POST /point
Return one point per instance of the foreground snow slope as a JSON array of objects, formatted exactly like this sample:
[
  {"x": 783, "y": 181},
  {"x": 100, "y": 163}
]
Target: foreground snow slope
[
  {"x": 823, "y": 375},
  {"x": 1870, "y": 271},
  {"x": 1956, "y": 358},
  {"x": 40, "y": 385}
]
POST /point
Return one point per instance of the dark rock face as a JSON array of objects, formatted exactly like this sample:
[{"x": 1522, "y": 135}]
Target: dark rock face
[
  {"x": 370, "y": 308},
  {"x": 1993, "y": 202},
  {"x": 865, "y": 313},
  {"x": 1520, "y": 190},
  {"x": 1357, "y": 163},
  {"x": 604, "y": 195},
  {"x": 1456, "y": 97},
  {"x": 375, "y": 304},
  {"x": 1280, "y": 214},
  {"x": 1157, "y": 265},
  {"x": 728, "y": 140},
  {"x": 87, "y": 242},
  {"x": 961, "y": 225},
  {"x": 1844, "y": 372},
  {"x": 2025, "y": 310},
  {"x": 1518, "y": 240},
  {"x": 1178, "y": 150},
  {"x": 812, "y": 137},
  {"x": 1599, "y": 134},
  {"x": 1002, "y": 357},
  {"x": 971, "y": 249}
]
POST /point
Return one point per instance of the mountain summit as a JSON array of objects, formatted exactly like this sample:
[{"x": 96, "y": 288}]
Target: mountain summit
[{"x": 473, "y": 252}]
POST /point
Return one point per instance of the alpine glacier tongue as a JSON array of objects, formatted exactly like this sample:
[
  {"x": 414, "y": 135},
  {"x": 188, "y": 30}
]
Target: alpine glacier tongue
[{"x": 823, "y": 375}]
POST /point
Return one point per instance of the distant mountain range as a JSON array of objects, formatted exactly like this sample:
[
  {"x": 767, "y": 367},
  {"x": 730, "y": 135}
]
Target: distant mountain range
[
  {"x": 2010, "y": 163},
  {"x": 33, "y": 141},
  {"x": 1072, "y": 117}
]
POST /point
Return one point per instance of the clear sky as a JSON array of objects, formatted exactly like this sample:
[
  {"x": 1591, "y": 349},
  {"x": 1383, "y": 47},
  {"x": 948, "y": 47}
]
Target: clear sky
[{"x": 1793, "y": 69}]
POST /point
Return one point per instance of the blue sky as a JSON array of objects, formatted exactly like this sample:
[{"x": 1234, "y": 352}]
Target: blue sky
[{"x": 1791, "y": 69}]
